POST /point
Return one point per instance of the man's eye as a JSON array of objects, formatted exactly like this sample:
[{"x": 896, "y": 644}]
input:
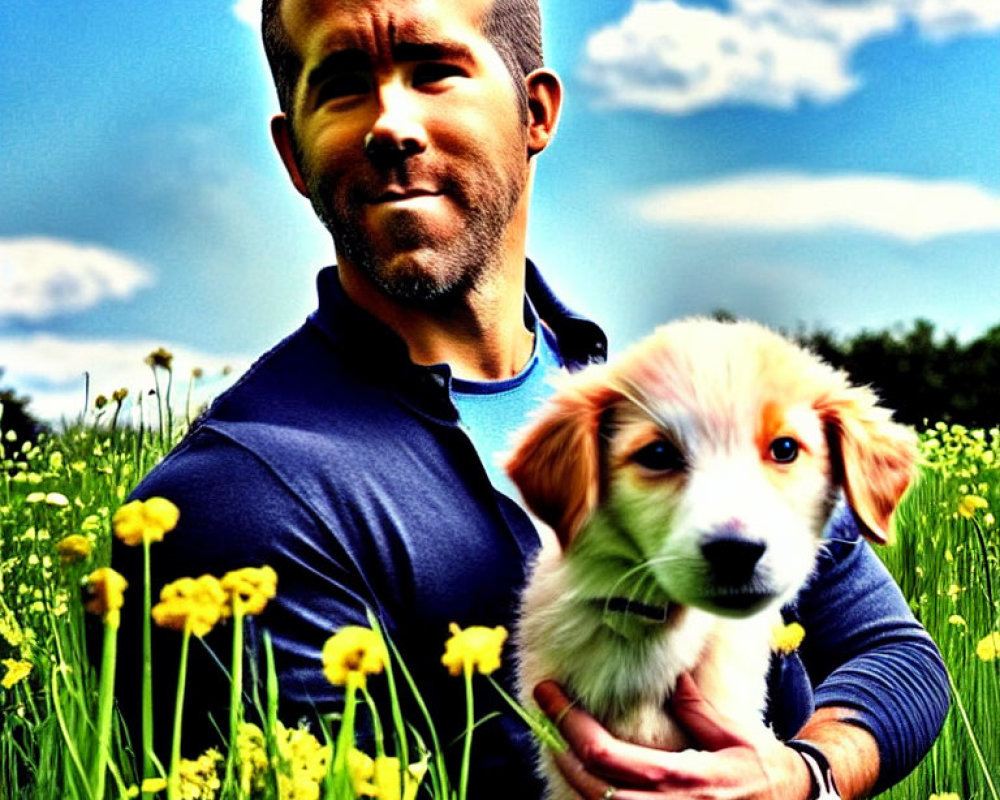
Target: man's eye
[
  {"x": 660, "y": 456},
  {"x": 434, "y": 71},
  {"x": 347, "y": 84}
]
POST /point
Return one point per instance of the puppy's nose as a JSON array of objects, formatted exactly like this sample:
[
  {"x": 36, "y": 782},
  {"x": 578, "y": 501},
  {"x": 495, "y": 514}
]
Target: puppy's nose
[{"x": 731, "y": 557}]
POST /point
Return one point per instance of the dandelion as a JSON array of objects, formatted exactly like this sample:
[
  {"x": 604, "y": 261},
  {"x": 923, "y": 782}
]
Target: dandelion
[
  {"x": 252, "y": 749},
  {"x": 970, "y": 504},
  {"x": 100, "y": 401},
  {"x": 380, "y": 777},
  {"x": 785, "y": 639},
  {"x": 160, "y": 357},
  {"x": 190, "y": 605},
  {"x": 153, "y": 785},
  {"x": 56, "y": 499},
  {"x": 119, "y": 395},
  {"x": 73, "y": 548},
  {"x": 249, "y": 589},
  {"x": 988, "y": 648},
  {"x": 105, "y": 589},
  {"x": 361, "y": 768},
  {"x": 198, "y": 779},
  {"x": 351, "y": 654},
  {"x": 145, "y": 520},
  {"x": 35, "y": 497},
  {"x": 475, "y": 647},
  {"x": 17, "y": 671},
  {"x": 307, "y": 761}
]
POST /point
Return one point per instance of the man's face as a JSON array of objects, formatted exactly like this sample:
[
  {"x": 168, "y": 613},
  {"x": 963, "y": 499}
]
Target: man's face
[{"x": 410, "y": 139}]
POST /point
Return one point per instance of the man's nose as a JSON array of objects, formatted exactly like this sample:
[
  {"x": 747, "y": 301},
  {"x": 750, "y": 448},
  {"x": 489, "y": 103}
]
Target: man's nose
[{"x": 398, "y": 131}]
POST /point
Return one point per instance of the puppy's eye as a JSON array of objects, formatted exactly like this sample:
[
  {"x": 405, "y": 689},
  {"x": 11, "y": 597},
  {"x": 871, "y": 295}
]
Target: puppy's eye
[
  {"x": 784, "y": 450},
  {"x": 660, "y": 456}
]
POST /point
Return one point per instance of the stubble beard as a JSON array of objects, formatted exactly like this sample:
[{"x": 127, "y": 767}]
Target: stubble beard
[{"x": 488, "y": 202}]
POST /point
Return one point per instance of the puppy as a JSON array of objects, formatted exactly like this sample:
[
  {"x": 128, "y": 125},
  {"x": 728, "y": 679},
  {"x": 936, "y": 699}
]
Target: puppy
[{"x": 688, "y": 485}]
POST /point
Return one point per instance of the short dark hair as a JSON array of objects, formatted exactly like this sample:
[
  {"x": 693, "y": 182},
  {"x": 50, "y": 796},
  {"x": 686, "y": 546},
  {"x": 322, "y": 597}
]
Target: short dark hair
[{"x": 513, "y": 27}]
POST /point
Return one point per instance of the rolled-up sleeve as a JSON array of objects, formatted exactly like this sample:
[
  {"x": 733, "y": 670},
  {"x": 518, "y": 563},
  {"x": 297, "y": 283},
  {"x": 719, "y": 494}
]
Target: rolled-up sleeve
[{"x": 864, "y": 650}]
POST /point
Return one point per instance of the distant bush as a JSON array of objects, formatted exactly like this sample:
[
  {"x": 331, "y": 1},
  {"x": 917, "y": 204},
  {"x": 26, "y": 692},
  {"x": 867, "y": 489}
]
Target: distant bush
[
  {"x": 921, "y": 375},
  {"x": 15, "y": 417}
]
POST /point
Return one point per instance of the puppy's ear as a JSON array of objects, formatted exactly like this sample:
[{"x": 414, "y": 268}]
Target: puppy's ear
[
  {"x": 873, "y": 457},
  {"x": 557, "y": 463}
]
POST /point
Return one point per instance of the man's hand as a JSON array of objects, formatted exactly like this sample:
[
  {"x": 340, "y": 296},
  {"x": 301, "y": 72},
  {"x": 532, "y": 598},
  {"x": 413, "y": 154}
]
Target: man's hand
[{"x": 722, "y": 765}]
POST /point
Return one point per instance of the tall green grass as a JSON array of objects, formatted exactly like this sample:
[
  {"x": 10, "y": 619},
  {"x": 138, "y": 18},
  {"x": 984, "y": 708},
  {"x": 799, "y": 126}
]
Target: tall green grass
[
  {"x": 70, "y": 484},
  {"x": 945, "y": 560}
]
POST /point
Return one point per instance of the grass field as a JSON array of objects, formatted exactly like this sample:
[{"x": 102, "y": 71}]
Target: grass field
[{"x": 59, "y": 738}]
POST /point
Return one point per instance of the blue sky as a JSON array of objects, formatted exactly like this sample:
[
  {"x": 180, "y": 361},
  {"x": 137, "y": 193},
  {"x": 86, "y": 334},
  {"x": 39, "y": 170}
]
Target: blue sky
[{"x": 830, "y": 163}]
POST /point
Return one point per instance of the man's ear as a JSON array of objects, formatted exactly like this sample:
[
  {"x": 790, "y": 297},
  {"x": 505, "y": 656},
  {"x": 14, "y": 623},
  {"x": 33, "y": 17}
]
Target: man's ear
[
  {"x": 284, "y": 142},
  {"x": 544, "y": 104}
]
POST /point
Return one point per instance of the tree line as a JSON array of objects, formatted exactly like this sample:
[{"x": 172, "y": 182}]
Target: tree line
[{"x": 925, "y": 377}]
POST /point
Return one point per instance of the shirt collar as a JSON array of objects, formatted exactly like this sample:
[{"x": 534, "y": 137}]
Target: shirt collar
[{"x": 379, "y": 351}]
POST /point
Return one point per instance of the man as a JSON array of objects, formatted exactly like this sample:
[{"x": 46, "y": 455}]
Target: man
[{"x": 357, "y": 457}]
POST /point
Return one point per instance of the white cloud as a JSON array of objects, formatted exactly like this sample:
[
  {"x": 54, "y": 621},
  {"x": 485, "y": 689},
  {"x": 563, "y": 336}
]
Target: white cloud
[
  {"x": 42, "y": 278},
  {"x": 908, "y": 209},
  {"x": 248, "y": 11},
  {"x": 50, "y": 369},
  {"x": 672, "y": 58}
]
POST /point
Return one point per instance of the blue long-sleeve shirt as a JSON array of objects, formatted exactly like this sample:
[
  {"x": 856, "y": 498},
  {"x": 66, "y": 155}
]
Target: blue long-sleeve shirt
[{"x": 342, "y": 465}]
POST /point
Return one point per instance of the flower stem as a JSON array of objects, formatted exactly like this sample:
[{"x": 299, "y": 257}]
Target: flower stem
[
  {"x": 147, "y": 668},
  {"x": 173, "y": 782},
  {"x": 235, "y": 695},
  {"x": 105, "y": 705},
  {"x": 463, "y": 783}
]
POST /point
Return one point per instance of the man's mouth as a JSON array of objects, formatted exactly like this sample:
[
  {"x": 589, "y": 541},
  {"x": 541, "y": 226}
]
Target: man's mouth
[{"x": 402, "y": 195}]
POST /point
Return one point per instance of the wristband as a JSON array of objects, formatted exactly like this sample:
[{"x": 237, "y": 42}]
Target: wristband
[{"x": 820, "y": 774}]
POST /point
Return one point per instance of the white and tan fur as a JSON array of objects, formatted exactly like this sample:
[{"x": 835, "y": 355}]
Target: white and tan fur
[{"x": 666, "y": 479}]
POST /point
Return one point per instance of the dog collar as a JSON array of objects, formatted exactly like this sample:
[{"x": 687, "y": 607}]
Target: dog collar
[{"x": 623, "y": 605}]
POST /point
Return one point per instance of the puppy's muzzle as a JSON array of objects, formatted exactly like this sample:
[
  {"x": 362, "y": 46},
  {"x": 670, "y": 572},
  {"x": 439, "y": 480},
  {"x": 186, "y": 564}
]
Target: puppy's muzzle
[{"x": 731, "y": 557}]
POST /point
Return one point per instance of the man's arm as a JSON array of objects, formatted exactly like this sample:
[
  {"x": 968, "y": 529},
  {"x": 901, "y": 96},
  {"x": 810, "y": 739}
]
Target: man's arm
[{"x": 234, "y": 513}]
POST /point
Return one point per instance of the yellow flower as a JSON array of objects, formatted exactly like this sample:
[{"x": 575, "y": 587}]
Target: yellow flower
[
  {"x": 945, "y": 796},
  {"x": 56, "y": 499},
  {"x": 379, "y": 777},
  {"x": 785, "y": 639},
  {"x": 160, "y": 358},
  {"x": 956, "y": 619},
  {"x": 954, "y": 591},
  {"x": 119, "y": 395},
  {"x": 989, "y": 647},
  {"x": 145, "y": 520},
  {"x": 192, "y": 604},
  {"x": 199, "y": 778},
  {"x": 476, "y": 647},
  {"x": 151, "y": 785},
  {"x": 351, "y": 654},
  {"x": 17, "y": 671},
  {"x": 106, "y": 588},
  {"x": 73, "y": 548},
  {"x": 252, "y": 749},
  {"x": 970, "y": 504},
  {"x": 249, "y": 589},
  {"x": 35, "y": 497},
  {"x": 307, "y": 762},
  {"x": 361, "y": 768},
  {"x": 100, "y": 401}
]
